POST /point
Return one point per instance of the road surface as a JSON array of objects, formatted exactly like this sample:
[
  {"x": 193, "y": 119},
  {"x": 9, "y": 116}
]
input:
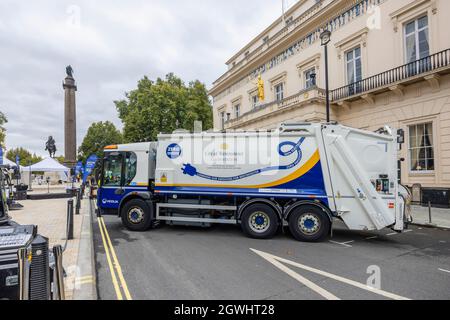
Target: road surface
[{"x": 180, "y": 263}]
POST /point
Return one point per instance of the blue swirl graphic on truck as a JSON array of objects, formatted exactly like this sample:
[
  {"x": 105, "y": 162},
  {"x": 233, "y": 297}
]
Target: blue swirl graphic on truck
[{"x": 190, "y": 170}]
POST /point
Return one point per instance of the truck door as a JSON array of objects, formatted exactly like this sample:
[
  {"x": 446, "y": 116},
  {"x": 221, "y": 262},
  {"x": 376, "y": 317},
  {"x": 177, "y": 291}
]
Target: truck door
[{"x": 110, "y": 192}]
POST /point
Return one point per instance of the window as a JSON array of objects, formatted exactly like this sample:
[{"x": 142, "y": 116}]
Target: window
[
  {"x": 279, "y": 92},
  {"x": 237, "y": 111},
  {"x": 222, "y": 119},
  {"x": 417, "y": 46},
  {"x": 255, "y": 100},
  {"x": 417, "y": 40},
  {"x": 310, "y": 78},
  {"x": 112, "y": 172},
  {"x": 130, "y": 167},
  {"x": 421, "y": 147},
  {"x": 354, "y": 69}
]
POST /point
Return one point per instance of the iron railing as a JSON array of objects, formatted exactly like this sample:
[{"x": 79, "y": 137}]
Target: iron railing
[{"x": 422, "y": 66}]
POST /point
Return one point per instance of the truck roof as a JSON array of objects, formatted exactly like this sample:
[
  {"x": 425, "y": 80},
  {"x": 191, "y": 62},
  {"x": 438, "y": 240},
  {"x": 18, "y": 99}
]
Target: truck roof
[{"x": 141, "y": 146}]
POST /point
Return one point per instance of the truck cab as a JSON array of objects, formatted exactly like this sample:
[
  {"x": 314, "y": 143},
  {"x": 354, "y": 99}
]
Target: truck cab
[{"x": 125, "y": 174}]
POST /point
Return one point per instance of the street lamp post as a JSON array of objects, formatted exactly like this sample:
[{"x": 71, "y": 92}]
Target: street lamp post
[{"x": 325, "y": 38}]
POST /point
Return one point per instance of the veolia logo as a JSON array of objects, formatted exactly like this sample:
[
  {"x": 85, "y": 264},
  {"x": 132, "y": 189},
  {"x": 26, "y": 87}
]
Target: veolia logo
[
  {"x": 106, "y": 201},
  {"x": 173, "y": 151}
]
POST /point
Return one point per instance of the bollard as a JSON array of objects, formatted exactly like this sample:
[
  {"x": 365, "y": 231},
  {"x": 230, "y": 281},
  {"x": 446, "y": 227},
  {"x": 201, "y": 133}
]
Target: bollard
[
  {"x": 429, "y": 212},
  {"x": 58, "y": 274},
  {"x": 78, "y": 205},
  {"x": 70, "y": 219}
]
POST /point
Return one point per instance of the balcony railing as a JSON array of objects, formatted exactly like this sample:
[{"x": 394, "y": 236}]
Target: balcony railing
[
  {"x": 423, "y": 66},
  {"x": 304, "y": 95}
]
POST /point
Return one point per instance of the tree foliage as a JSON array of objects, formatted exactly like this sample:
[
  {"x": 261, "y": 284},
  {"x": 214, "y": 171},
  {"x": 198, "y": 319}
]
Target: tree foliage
[
  {"x": 163, "y": 105},
  {"x": 99, "y": 135},
  {"x": 3, "y": 120},
  {"x": 25, "y": 156}
]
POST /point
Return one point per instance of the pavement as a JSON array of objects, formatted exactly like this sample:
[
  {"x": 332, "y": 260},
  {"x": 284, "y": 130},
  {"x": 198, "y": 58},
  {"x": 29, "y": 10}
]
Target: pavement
[
  {"x": 221, "y": 263},
  {"x": 439, "y": 217},
  {"x": 51, "y": 218}
]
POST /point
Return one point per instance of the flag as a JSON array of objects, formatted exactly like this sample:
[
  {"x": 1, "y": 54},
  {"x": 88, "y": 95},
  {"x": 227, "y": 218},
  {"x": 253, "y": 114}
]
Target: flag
[
  {"x": 89, "y": 167},
  {"x": 17, "y": 160},
  {"x": 1, "y": 156},
  {"x": 78, "y": 168}
]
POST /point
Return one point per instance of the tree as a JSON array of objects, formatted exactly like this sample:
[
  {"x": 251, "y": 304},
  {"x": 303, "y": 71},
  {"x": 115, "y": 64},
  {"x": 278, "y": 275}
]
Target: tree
[
  {"x": 3, "y": 120},
  {"x": 60, "y": 159},
  {"x": 99, "y": 135},
  {"x": 163, "y": 106},
  {"x": 26, "y": 158}
]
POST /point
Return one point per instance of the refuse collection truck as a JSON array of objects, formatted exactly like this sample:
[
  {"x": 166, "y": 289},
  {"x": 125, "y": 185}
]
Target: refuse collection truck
[{"x": 304, "y": 176}]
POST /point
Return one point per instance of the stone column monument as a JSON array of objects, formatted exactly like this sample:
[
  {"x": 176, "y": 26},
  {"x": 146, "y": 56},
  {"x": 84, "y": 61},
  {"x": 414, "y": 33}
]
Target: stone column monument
[{"x": 70, "y": 119}]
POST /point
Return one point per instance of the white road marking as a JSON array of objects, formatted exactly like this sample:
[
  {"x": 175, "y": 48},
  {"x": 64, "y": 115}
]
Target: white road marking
[
  {"x": 406, "y": 231},
  {"x": 314, "y": 287},
  {"x": 276, "y": 261},
  {"x": 443, "y": 270},
  {"x": 345, "y": 244},
  {"x": 392, "y": 234},
  {"x": 370, "y": 238}
]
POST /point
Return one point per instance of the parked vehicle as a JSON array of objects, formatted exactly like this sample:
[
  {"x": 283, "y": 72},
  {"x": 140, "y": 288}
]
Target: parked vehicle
[{"x": 301, "y": 175}]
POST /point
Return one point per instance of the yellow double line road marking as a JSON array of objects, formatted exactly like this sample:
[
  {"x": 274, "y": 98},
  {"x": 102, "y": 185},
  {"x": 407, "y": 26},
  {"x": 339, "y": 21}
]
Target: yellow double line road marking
[{"x": 118, "y": 280}]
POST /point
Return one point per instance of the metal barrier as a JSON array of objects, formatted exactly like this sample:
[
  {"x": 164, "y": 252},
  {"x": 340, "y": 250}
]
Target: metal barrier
[
  {"x": 24, "y": 274},
  {"x": 58, "y": 274}
]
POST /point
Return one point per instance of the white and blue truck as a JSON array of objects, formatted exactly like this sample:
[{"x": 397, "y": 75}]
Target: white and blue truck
[{"x": 302, "y": 175}]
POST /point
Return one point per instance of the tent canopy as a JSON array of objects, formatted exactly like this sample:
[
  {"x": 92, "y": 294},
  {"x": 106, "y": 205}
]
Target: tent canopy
[
  {"x": 6, "y": 162},
  {"x": 47, "y": 165}
]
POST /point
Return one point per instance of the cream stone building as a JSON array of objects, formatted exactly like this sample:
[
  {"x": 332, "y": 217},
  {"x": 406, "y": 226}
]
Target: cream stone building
[{"x": 389, "y": 64}]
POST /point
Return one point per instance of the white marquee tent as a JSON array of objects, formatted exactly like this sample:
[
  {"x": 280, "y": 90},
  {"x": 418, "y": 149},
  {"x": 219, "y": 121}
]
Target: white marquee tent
[
  {"x": 47, "y": 165},
  {"x": 6, "y": 161}
]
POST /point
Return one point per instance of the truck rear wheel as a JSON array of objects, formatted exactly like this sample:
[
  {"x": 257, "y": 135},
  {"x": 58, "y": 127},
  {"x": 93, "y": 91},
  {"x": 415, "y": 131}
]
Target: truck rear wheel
[
  {"x": 137, "y": 215},
  {"x": 259, "y": 221},
  {"x": 309, "y": 223}
]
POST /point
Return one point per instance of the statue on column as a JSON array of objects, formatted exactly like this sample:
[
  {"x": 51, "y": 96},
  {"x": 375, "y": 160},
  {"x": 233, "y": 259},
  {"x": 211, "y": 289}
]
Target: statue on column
[
  {"x": 50, "y": 146},
  {"x": 69, "y": 71}
]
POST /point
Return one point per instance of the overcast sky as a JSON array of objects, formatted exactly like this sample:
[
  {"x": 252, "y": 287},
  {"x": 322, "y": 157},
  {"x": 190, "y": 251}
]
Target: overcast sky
[{"x": 111, "y": 44}]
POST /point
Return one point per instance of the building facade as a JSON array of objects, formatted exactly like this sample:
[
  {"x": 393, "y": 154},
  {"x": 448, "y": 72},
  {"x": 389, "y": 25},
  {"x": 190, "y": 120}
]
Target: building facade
[{"x": 389, "y": 64}]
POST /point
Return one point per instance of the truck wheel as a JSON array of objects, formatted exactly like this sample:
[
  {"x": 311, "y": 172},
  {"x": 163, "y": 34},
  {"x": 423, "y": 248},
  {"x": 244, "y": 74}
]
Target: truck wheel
[
  {"x": 259, "y": 221},
  {"x": 136, "y": 215},
  {"x": 309, "y": 224}
]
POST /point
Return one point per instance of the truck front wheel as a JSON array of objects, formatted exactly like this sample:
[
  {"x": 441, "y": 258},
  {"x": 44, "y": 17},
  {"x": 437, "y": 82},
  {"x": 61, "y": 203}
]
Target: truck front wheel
[
  {"x": 136, "y": 215},
  {"x": 309, "y": 223},
  {"x": 259, "y": 221}
]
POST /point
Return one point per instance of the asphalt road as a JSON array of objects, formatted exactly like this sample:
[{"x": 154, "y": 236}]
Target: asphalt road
[{"x": 218, "y": 263}]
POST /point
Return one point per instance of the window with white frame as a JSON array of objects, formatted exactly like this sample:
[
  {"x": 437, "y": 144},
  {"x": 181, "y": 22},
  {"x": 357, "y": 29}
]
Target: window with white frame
[
  {"x": 237, "y": 110},
  {"x": 310, "y": 78},
  {"x": 279, "y": 91},
  {"x": 354, "y": 66},
  {"x": 417, "y": 42},
  {"x": 421, "y": 147},
  {"x": 254, "y": 100}
]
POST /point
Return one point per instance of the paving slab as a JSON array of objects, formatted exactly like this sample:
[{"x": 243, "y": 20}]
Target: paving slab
[{"x": 51, "y": 218}]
